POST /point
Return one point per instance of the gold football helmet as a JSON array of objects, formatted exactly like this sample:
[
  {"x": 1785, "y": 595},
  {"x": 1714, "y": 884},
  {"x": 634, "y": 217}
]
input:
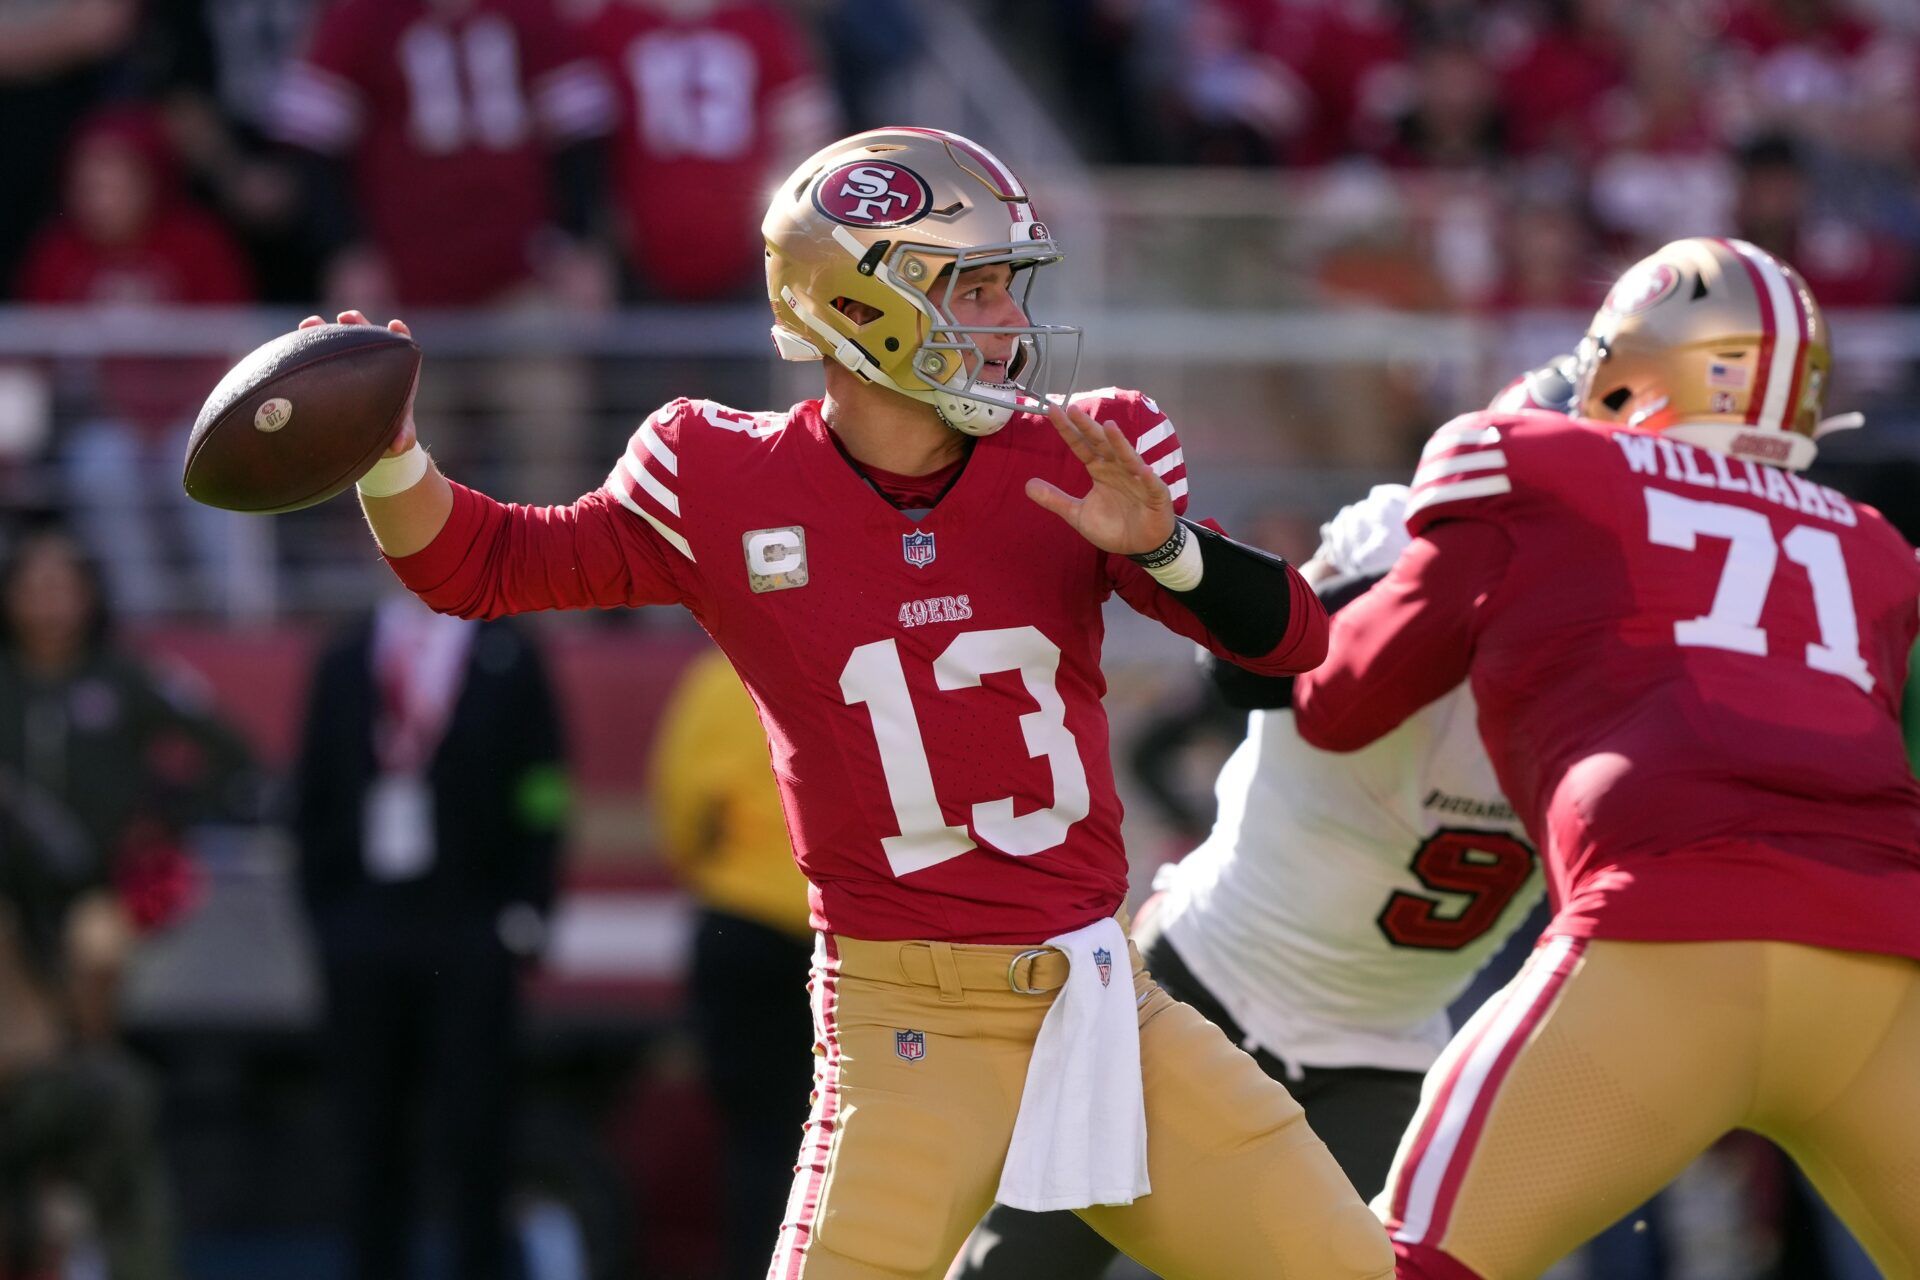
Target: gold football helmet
[
  {"x": 1715, "y": 342},
  {"x": 890, "y": 218}
]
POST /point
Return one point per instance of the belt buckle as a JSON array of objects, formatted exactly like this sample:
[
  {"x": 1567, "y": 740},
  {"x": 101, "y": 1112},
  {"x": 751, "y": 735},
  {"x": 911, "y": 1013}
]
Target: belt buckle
[{"x": 1013, "y": 965}]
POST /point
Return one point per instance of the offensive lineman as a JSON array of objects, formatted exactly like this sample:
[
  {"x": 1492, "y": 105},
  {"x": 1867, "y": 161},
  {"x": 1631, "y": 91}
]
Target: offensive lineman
[
  {"x": 1339, "y": 905},
  {"x": 923, "y": 648},
  {"x": 1688, "y": 663}
]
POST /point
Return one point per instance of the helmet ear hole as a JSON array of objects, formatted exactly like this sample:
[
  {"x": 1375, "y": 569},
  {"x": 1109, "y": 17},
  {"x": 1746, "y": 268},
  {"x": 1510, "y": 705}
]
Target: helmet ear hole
[
  {"x": 1616, "y": 399},
  {"x": 861, "y": 313}
]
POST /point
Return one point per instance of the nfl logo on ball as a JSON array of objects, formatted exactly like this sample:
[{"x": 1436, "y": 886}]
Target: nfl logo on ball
[
  {"x": 1103, "y": 961},
  {"x": 917, "y": 547},
  {"x": 911, "y": 1045}
]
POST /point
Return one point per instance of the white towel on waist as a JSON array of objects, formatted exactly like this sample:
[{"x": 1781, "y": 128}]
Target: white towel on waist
[{"x": 1081, "y": 1136}]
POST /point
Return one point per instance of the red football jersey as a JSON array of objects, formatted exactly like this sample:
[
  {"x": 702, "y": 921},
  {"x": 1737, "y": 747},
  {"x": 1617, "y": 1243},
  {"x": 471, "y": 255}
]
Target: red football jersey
[
  {"x": 710, "y": 106},
  {"x": 931, "y": 689},
  {"x": 1689, "y": 671},
  {"x": 448, "y": 113}
]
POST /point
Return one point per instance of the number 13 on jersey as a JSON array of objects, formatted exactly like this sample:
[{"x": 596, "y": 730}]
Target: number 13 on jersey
[{"x": 874, "y": 675}]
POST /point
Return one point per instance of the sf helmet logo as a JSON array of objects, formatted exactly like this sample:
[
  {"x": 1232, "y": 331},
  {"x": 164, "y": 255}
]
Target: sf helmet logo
[
  {"x": 1641, "y": 288},
  {"x": 865, "y": 194}
]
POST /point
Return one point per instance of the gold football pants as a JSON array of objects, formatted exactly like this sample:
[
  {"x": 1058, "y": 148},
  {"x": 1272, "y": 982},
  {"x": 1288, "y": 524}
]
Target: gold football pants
[
  {"x": 921, "y": 1056},
  {"x": 1605, "y": 1067}
]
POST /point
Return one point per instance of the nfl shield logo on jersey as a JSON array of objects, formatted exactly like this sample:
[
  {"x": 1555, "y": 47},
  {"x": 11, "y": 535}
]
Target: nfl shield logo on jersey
[
  {"x": 917, "y": 547},
  {"x": 911, "y": 1045},
  {"x": 1103, "y": 961}
]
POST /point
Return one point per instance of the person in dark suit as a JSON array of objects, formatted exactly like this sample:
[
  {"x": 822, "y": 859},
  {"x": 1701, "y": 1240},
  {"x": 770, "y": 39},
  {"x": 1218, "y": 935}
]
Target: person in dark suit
[{"x": 431, "y": 798}]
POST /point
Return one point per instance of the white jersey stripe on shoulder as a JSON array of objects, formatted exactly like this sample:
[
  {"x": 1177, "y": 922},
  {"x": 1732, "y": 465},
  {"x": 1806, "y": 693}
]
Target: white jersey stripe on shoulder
[
  {"x": 645, "y": 479},
  {"x": 1478, "y": 487},
  {"x": 1152, "y": 437},
  {"x": 626, "y": 500},
  {"x": 1178, "y": 489},
  {"x": 1519, "y": 1013},
  {"x": 1786, "y": 334},
  {"x": 657, "y": 447},
  {"x": 1454, "y": 463},
  {"x": 1453, "y": 438},
  {"x": 1168, "y": 461}
]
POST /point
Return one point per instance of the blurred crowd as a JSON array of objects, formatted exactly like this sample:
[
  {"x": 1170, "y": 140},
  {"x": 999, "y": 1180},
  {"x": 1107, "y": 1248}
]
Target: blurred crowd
[
  {"x": 1606, "y": 126},
  {"x": 558, "y": 158},
  {"x": 287, "y": 150},
  {"x": 223, "y": 151}
]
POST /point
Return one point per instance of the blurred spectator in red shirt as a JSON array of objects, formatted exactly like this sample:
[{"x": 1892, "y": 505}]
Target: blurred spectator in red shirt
[
  {"x": 718, "y": 99},
  {"x": 54, "y": 57},
  {"x": 1453, "y": 119},
  {"x": 1558, "y": 84},
  {"x": 1845, "y": 263},
  {"x": 457, "y": 119},
  {"x": 459, "y": 155},
  {"x": 1352, "y": 58},
  {"x": 127, "y": 237},
  {"x": 1794, "y": 65},
  {"x": 1659, "y": 167}
]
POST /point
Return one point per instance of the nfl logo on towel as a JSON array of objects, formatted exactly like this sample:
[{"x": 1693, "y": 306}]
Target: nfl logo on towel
[
  {"x": 911, "y": 1045},
  {"x": 1103, "y": 961},
  {"x": 917, "y": 547}
]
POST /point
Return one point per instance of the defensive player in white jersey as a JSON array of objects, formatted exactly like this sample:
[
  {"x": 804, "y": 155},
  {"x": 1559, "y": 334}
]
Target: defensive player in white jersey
[{"x": 1339, "y": 905}]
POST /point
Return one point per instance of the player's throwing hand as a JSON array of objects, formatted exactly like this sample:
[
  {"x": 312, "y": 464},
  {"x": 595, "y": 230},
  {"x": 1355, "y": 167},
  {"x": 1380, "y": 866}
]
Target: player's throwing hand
[
  {"x": 1129, "y": 510},
  {"x": 403, "y": 439}
]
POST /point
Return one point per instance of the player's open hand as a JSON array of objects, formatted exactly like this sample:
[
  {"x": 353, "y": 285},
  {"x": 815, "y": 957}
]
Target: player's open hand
[
  {"x": 1129, "y": 510},
  {"x": 404, "y": 438}
]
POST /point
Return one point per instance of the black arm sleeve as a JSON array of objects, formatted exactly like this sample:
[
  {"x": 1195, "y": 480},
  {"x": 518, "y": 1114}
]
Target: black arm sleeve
[
  {"x": 1250, "y": 691},
  {"x": 1244, "y": 594}
]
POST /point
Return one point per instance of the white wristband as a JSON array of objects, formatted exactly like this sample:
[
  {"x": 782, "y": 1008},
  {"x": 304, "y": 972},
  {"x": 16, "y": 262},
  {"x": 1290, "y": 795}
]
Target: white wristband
[
  {"x": 394, "y": 475},
  {"x": 1182, "y": 573}
]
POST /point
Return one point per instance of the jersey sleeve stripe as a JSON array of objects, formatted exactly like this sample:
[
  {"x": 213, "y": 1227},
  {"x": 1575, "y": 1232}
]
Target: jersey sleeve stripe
[
  {"x": 628, "y": 501},
  {"x": 1445, "y": 439},
  {"x": 573, "y": 102},
  {"x": 1454, "y": 491},
  {"x": 646, "y": 480},
  {"x": 1153, "y": 437},
  {"x": 317, "y": 110},
  {"x": 658, "y": 448},
  {"x": 1168, "y": 462},
  {"x": 1455, "y": 463}
]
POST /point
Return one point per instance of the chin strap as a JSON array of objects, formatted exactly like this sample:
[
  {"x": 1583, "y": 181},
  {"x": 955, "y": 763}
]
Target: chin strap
[{"x": 1839, "y": 422}]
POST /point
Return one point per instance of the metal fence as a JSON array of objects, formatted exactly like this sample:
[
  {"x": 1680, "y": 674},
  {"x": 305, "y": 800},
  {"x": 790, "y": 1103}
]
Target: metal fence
[{"x": 1284, "y": 412}]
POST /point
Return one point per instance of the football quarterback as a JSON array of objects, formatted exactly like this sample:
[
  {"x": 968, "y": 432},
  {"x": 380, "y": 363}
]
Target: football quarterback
[{"x": 924, "y": 651}]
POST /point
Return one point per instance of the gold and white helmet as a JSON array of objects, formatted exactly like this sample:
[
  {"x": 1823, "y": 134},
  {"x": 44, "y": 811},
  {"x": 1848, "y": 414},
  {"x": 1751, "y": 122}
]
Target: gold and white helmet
[
  {"x": 890, "y": 218},
  {"x": 1715, "y": 342}
]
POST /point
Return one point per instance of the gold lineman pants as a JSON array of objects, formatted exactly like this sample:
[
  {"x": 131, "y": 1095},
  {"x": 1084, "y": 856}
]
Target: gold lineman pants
[
  {"x": 1605, "y": 1067},
  {"x": 921, "y": 1055}
]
